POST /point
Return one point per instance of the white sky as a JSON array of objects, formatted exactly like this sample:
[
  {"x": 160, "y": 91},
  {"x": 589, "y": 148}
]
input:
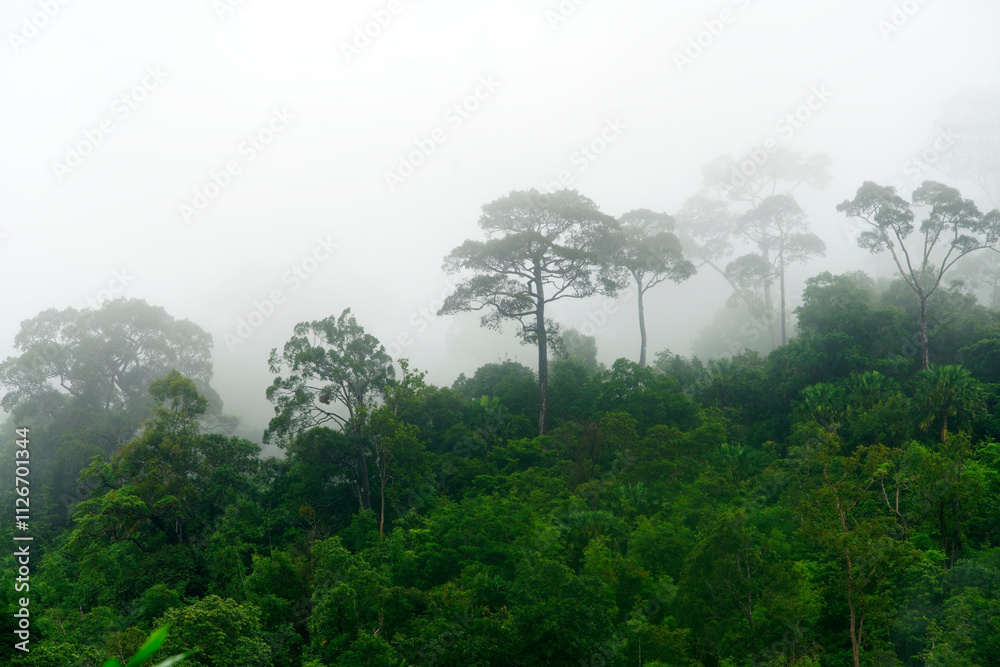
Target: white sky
[{"x": 227, "y": 69}]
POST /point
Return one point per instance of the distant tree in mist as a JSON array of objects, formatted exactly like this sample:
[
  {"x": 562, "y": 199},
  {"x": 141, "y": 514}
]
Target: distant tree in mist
[
  {"x": 778, "y": 227},
  {"x": 970, "y": 132},
  {"x": 580, "y": 348},
  {"x": 102, "y": 360},
  {"x": 739, "y": 205},
  {"x": 967, "y": 145},
  {"x": 81, "y": 380},
  {"x": 981, "y": 273}
]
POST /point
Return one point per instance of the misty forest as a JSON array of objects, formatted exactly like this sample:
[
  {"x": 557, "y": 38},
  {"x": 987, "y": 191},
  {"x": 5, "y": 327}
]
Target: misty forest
[
  {"x": 831, "y": 501},
  {"x": 580, "y": 369}
]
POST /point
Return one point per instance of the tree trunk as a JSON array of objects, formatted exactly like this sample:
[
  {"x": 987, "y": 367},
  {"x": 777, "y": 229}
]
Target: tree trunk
[
  {"x": 769, "y": 315},
  {"x": 855, "y": 630},
  {"x": 945, "y": 532},
  {"x": 769, "y": 300},
  {"x": 642, "y": 331},
  {"x": 851, "y": 587},
  {"x": 855, "y": 642},
  {"x": 781, "y": 278},
  {"x": 956, "y": 537},
  {"x": 366, "y": 498},
  {"x": 923, "y": 333},
  {"x": 543, "y": 354},
  {"x": 381, "y": 520}
]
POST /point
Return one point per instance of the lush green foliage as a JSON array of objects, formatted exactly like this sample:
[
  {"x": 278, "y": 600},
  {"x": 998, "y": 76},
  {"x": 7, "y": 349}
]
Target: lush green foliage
[{"x": 830, "y": 500}]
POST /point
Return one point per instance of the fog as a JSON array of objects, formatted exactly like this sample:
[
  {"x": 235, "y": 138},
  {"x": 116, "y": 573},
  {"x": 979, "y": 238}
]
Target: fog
[{"x": 222, "y": 158}]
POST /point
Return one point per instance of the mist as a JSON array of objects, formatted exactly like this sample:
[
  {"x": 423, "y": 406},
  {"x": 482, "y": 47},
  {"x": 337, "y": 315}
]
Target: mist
[{"x": 250, "y": 165}]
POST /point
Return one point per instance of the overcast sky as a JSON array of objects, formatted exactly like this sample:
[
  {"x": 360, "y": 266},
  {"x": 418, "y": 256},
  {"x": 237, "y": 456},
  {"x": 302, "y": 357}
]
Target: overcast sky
[{"x": 205, "y": 154}]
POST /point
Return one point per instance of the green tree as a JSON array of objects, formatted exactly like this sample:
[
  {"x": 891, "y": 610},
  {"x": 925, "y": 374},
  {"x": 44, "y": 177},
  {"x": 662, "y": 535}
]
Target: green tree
[
  {"x": 950, "y": 487},
  {"x": 537, "y": 252},
  {"x": 953, "y": 228},
  {"x": 646, "y": 251},
  {"x": 81, "y": 382},
  {"x": 513, "y": 383},
  {"x": 560, "y": 618},
  {"x": 835, "y": 502},
  {"x": 731, "y": 210},
  {"x": 330, "y": 363},
  {"x": 778, "y": 227},
  {"x": 393, "y": 441},
  {"x": 166, "y": 487},
  {"x": 843, "y": 318},
  {"x": 348, "y": 600},
  {"x": 221, "y": 632},
  {"x": 944, "y": 391}
]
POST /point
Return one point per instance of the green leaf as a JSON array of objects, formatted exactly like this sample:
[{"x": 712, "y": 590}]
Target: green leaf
[
  {"x": 112, "y": 663},
  {"x": 149, "y": 647},
  {"x": 173, "y": 659}
]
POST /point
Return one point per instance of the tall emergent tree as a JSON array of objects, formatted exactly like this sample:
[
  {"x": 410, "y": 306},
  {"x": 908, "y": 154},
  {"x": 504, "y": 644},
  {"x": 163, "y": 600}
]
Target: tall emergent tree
[
  {"x": 953, "y": 228},
  {"x": 81, "y": 379},
  {"x": 540, "y": 248},
  {"x": 779, "y": 229},
  {"x": 101, "y": 361},
  {"x": 331, "y": 362},
  {"x": 731, "y": 209},
  {"x": 645, "y": 250},
  {"x": 705, "y": 226}
]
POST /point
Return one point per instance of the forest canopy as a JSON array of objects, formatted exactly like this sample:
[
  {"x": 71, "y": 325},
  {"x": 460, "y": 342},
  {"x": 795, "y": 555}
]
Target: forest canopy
[{"x": 831, "y": 502}]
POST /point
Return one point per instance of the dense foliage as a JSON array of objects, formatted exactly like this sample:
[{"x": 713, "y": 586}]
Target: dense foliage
[{"x": 831, "y": 500}]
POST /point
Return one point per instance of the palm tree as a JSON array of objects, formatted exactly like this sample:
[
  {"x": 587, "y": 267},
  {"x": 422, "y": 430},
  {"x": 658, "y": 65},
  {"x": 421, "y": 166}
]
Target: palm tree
[
  {"x": 824, "y": 403},
  {"x": 944, "y": 391},
  {"x": 867, "y": 389},
  {"x": 741, "y": 462}
]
